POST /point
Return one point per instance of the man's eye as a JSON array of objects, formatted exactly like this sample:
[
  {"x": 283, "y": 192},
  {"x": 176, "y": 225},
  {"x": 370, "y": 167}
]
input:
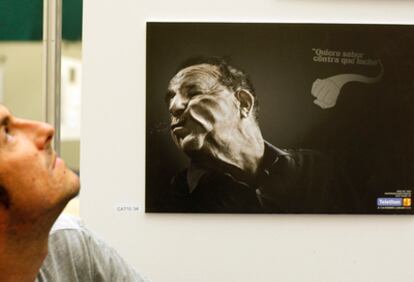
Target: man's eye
[
  {"x": 194, "y": 93},
  {"x": 6, "y": 133},
  {"x": 168, "y": 97}
]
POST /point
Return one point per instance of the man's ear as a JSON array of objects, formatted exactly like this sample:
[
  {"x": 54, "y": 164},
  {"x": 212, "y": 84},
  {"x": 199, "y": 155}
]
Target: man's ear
[{"x": 246, "y": 102}]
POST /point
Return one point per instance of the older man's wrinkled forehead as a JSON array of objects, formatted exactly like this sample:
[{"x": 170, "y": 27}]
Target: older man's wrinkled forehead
[{"x": 204, "y": 75}]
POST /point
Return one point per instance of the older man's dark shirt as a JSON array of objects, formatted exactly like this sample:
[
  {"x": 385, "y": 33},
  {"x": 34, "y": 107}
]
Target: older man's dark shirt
[{"x": 288, "y": 181}]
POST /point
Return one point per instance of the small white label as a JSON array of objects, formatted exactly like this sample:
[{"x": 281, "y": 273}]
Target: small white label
[{"x": 127, "y": 208}]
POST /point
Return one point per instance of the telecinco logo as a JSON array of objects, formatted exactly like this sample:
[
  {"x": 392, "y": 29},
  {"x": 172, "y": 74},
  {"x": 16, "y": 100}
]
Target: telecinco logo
[{"x": 389, "y": 202}]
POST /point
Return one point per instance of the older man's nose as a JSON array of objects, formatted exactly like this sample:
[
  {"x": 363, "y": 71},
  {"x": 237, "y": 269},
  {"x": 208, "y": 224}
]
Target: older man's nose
[{"x": 177, "y": 106}]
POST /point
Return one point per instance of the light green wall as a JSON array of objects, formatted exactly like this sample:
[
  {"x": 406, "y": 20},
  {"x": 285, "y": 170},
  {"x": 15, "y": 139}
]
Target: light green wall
[
  {"x": 70, "y": 153},
  {"x": 23, "y": 84},
  {"x": 23, "y": 78}
]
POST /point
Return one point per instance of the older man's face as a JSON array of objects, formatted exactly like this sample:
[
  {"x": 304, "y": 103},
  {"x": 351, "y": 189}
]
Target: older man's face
[
  {"x": 36, "y": 180},
  {"x": 203, "y": 111}
]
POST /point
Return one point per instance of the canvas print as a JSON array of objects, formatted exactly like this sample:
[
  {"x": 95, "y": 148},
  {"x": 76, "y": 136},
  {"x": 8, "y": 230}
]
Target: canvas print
[{"x": 279, "y": 118}]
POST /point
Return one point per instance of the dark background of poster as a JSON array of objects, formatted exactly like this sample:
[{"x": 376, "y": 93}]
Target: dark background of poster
[{"x": 370, "y": 131}]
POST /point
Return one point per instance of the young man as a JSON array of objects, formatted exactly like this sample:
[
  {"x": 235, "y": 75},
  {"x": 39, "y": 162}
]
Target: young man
[{"x": 35, "y": 186}]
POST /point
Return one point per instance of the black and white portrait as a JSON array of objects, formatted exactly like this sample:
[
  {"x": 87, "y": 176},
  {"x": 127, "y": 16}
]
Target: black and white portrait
[{"x": 279, "y": 118}]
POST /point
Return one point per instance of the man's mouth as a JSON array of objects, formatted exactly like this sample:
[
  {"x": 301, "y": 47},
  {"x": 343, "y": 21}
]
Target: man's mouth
[
  {"x": 56, "y": 160},
  {"x": 177, "y": 124},
  {"x": 179, "y": 130}
]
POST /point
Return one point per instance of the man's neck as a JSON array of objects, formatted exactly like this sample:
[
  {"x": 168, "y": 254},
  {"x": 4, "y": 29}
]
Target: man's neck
[
  {"x": 243, "y": 149},
  {"x": 22, "y": 251}
]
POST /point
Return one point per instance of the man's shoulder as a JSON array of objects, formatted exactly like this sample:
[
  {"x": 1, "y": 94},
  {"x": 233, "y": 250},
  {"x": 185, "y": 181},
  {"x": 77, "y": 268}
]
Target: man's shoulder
[
  {"x": 67, "y": 222},
  {"x": 302, "y": 160},
  {"x": 314, "y": 181},
  {"x": 77, "y": 254},
  {"x": 295, "y": 163},
  {"x": 68, "y": 252},
  {"x": 70, "y": 234}
]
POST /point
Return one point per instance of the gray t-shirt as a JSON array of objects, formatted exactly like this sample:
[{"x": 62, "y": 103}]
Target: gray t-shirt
[{"x": 76, "y": 254}]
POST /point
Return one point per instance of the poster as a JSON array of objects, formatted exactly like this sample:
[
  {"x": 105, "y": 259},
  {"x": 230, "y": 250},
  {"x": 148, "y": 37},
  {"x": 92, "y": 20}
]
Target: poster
[{"x": 323, "y": 125}]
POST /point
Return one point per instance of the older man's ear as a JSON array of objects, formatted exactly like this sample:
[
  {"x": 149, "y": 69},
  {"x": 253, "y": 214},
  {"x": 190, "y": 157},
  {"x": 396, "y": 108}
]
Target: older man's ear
[{"x": 246, "y": 102}]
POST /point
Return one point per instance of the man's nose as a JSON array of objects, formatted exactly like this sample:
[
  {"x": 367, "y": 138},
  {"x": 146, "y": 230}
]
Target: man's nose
[
  {"x": 178, "y": 105},
  {"x": 39, "y": 132}
]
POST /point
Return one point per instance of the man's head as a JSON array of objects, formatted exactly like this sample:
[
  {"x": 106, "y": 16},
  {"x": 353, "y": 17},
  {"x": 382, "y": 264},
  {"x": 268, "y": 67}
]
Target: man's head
[
  {"x": 34, "y": 181},
  {"x": 211, "y": 103}
]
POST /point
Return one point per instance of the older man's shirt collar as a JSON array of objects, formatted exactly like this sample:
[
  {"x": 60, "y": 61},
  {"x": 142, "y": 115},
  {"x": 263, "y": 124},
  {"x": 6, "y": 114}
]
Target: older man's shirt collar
[
  {"x": 194, "y": 174},
  {"x": 270, "y": 157}
]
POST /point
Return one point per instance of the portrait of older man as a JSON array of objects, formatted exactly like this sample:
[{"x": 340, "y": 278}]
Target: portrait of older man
[
  {"x": 279, "y": 126},
  {"x": 215, "y": 121}
]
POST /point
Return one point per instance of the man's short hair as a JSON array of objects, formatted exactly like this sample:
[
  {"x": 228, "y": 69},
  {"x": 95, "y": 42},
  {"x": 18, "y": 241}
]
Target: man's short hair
[{"x": 232, "y": 77}]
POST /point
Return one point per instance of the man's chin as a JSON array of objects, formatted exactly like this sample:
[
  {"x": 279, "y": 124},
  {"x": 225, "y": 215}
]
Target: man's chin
[
  {"x": 191, "y": 144},
  {"x": 73, "y": 184}
]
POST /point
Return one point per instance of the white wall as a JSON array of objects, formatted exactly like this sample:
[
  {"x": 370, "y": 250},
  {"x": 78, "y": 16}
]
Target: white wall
[{"x": 170, "y": 247}]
